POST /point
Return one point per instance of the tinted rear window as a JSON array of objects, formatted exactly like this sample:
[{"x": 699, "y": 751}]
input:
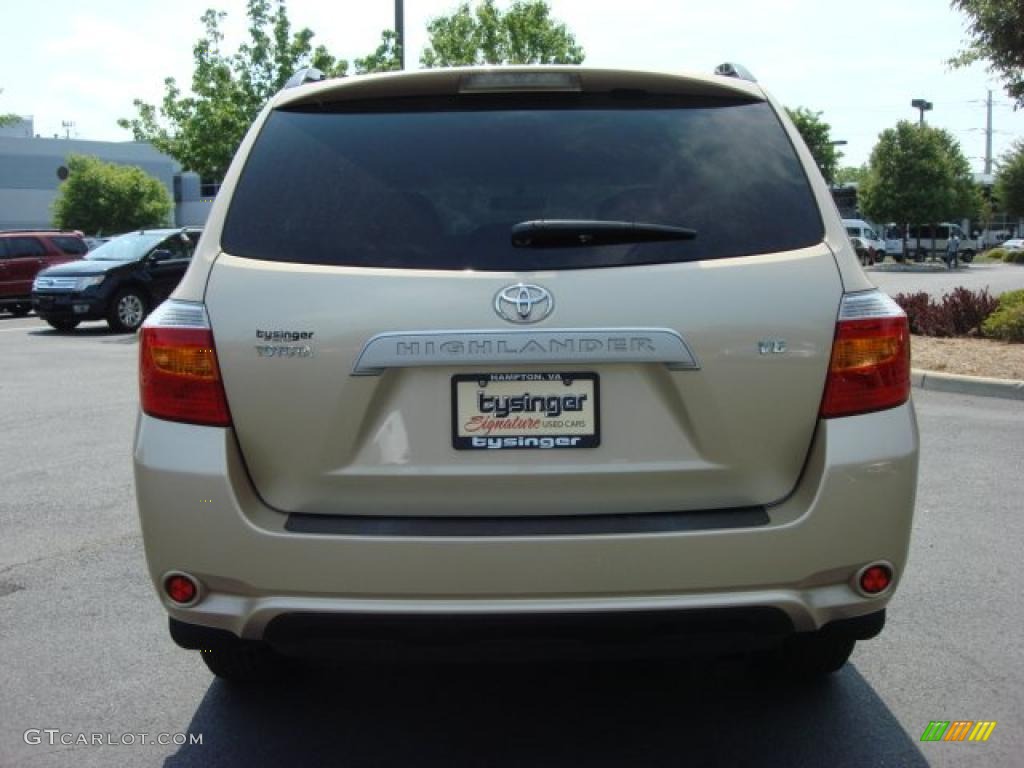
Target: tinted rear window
[
  {"x": 441, "y": 188},
  {"x": 71, "y": 245}
]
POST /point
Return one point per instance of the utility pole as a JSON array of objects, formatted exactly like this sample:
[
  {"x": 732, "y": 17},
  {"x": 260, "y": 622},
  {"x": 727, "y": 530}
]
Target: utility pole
[
  {"x": 988, "y": 137},
  {"x": 400, "y": 31},
  {"x": 922, "y": 106},
  {"x": 67, "y": 125}
]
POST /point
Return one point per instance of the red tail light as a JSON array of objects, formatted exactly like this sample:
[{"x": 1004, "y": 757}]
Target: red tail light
[
  {"x": 870, "y": 365},
  {"x": 179, "y": 378}
]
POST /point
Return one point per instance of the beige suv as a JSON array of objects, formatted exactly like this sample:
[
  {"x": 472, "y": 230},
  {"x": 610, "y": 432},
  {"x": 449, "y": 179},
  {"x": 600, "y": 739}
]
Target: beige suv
[{"x": 563, "y": 359}]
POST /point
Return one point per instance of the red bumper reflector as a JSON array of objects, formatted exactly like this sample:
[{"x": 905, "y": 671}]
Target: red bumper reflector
[
  {"x": 876, "y": 579},
  {"x": 180, "y": 589}
]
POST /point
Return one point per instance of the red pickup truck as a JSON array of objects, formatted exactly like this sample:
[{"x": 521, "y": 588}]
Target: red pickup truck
[{"x": 23, "y": 253}]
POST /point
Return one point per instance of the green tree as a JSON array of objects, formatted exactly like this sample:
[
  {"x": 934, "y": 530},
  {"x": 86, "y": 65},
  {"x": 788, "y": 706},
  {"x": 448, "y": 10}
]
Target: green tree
[
  {"x": 106, "y": 197},
  {"x": 1009, "y": 186},
  {"x": 817, "y": 134},
  {"x": 850, "y": 174},
  {"x": 996, "y": 29},
  {"x": 202, "y": 129},
  {"x": 918, "y": 175},
  {"x": 484, "y": 34},
  {"x": 387, "y": 57},
  {"x": 8, "y": 119}
]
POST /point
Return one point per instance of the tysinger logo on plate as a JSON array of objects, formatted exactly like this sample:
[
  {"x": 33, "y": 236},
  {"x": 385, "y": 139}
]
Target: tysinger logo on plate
[{"x": 499, "y": 411}]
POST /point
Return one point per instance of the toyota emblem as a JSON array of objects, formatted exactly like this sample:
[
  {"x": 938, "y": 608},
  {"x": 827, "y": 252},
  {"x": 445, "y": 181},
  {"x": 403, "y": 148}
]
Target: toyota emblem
[{"x": 523, "y": 303}]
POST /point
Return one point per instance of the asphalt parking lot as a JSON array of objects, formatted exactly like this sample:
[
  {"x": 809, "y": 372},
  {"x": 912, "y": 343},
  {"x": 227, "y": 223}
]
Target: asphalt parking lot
[
  {"x": 997, "y": 278},
  {"x": 84, "y": 647}
]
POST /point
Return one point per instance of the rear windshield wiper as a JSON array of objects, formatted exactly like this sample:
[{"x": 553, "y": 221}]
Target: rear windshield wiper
[{"x": 577, "y": 233}]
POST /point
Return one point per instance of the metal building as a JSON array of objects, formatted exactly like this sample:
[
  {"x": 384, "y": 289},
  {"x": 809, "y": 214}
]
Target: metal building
[{"x": 32, "y": 169}]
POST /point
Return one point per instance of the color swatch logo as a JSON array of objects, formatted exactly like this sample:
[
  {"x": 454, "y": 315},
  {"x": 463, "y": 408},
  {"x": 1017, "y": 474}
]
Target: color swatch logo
[{"x": 958, "y": 730}]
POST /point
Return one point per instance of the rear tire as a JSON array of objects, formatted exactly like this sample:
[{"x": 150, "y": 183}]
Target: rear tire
[
  {"x": 244, "y": 663},
  {"x": 127, "y": 310},
  {"x": 62, "y": 325},
  {"x": 967, "y": 257},
  {"x": 19, "y": 310}
]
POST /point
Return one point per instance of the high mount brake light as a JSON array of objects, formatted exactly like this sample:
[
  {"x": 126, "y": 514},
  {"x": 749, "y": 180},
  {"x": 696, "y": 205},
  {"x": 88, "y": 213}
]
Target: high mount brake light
[
  {"x": 870, "y": 365},
  {"x": 179, "y": 379}
]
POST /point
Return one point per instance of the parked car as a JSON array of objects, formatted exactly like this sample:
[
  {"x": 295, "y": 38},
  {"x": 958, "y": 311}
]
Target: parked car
[
  {"x": 866, "y": 234},
  {"x": 23, "y": 253},
  {"x": 495, "y": 357},
  {"x": 95, "y": 242},
  {"x": 120, "y": 281},
  {"x": 1014, "y": 244},
  {"x": 865, "y": 253}
]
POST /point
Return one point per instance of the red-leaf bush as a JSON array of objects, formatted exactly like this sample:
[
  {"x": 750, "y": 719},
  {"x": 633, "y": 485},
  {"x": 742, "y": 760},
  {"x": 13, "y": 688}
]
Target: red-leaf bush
[{"x": 959, "y": 313}]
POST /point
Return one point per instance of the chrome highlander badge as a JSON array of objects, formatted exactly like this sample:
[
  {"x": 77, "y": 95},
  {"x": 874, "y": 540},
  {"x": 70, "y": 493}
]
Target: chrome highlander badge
[{"x": 522, "y": 303}]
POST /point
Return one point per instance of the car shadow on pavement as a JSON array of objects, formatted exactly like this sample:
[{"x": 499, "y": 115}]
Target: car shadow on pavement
[
  {"x": 94, "y": 330},
  {"x": 580, "y": 714}
]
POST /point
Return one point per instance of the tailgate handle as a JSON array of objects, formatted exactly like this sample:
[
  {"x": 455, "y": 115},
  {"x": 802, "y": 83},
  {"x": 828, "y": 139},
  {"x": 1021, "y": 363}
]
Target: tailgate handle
[{"x": 534, "y": 347}]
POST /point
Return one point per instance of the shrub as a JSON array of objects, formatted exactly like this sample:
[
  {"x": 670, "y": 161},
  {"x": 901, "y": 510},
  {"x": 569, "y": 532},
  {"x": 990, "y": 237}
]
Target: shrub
[
  {"x": 996, "y": 254},
  {"x": 959, "y": 313},
  {"x": 1011, "y": 299},
  {"x": 1006, "y": 323},
  {"x": 107, "y": 197},
  {"x": 967, "y": 309},
  {"x": 1013, "y": 257}
]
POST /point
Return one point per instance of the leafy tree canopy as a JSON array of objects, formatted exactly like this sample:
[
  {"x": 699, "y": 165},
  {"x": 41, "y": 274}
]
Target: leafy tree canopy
[
  {"x": 484, "y": 34},
  {"x": 202, "y": 129},
  {"x": 850, "y": 174},
  {"x": 1009, "y": 187},
  {"x": 817, "y": 134},
  {"x": 106, "y": 197},
  {"x": 8, "y": 119},
  {"x": 996, "y": 35},
  {"x": 918, "y": 175},
  {"x": 387, "y": 57}
]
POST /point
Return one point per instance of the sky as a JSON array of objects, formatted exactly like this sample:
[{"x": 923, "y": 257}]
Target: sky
[{"x": 860, "y": 64}]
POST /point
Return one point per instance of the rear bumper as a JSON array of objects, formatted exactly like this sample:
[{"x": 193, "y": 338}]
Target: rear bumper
[
  {"x": 201, "y": 515},
  {"x": 518, "y": 636}
]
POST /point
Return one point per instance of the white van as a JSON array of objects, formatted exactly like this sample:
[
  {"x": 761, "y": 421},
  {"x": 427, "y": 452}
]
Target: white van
[
  {"x": 937, "y": 241},
  {"x": 894, "y": 242},
  {"x": 867, "y": 233}
]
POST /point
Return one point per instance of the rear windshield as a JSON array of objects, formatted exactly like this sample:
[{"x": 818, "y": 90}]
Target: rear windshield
[{"x": 441, "y": 188}]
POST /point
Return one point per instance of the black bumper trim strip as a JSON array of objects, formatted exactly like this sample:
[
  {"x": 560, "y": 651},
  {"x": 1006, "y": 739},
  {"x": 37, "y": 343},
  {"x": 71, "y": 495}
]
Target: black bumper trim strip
[{"x": 560, "y": 525}]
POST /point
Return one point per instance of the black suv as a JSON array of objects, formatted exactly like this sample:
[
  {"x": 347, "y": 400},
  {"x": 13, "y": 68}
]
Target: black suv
[{"x": 121, "y": 281}]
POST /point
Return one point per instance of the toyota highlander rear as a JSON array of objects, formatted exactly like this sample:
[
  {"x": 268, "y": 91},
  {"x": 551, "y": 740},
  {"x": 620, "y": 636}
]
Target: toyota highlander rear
[{"x": 541, "y": 348}]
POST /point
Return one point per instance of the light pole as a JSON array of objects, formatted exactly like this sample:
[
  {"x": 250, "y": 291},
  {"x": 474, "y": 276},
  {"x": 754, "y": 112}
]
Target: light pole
[
  {"x": 922, "y": 106},
  {"x": 400, "y": 31}
]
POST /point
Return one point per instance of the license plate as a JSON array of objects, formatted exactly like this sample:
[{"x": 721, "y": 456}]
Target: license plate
[{"x": 536, "y": 411}]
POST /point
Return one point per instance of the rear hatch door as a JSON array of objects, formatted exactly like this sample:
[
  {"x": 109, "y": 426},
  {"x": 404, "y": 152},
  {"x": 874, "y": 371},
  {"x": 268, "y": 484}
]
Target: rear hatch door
[{"x": 387, "y": 349}]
